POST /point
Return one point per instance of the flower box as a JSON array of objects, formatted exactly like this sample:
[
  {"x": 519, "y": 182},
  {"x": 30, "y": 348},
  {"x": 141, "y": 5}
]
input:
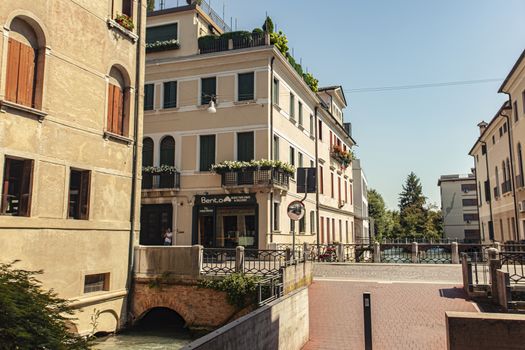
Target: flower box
[{"x": 164, "y": 45}]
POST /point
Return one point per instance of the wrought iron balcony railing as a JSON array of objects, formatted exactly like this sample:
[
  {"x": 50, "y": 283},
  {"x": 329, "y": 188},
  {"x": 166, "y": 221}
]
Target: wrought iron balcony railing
[
  {"x": 519, "y": 181},
  {"x": 236, "y": 42},
  {"x": 160, "y": 181},
  {"x": 269, "y": 177},
  {"x": 505, "y": 187}
]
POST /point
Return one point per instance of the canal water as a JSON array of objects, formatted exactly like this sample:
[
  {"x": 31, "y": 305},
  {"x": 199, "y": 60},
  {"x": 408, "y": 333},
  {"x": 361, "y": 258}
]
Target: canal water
[{"x": 160, "y": 329}]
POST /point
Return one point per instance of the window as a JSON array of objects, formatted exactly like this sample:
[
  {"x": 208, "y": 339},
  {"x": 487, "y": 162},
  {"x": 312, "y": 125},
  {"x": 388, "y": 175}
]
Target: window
[
  {"x": 208, "y": 90},
  {"x": 313, "y": 228},
  {"x": 479, "y": 194},
  {"x": 162, "y": 33},
  {"x": 520, "y": 166},
  {"x": 96, "y": 283},
  {"x": 320, "y": 131},
  {"x": 79, "y": 183},
  {"x": 245, "y": 147},
  {"x": 515, "y": 111},
  {"x": 147, "y": 152},
  {"x": 127, "y": 7},
  {"x": 339, "y": 190},
  {"x": 493, "y": 139},
  {"x": 276, "y": 216},
  {"x": 346, "y": 234},
  {"x": 471, "y": 234},
  {"x": 311, "y": 125},
  {"x": 469, "y": 202},
  {"x": 346, "y": 191},
  {"x": 328, "y": 238},
  {"x": 170, "y": 94},
  {"x": 321, "y": 227},
  {"x": 300, "y": 159},
  {"x": 470, "y": 217},
  {"x": 351, "y": 194},
  {"x": 340, "y": 231},
  {"x": 333, "y": 229},
  {"x": 276, "y": 92},
  {"x": 332, "y": 185},
  {"x": 300, "y": 108},
  {"x": 275, "y": 147},
  {"x": 321, "y": 180},
  {"x": 118, "y": 101},
  {"x": 207, "y": 152},
  {"x": 523, "y": 101},
  {"x": 292, "y": 106},
  {"x": 25, "y": 66},
  {"x": 149, "y": 97},
  {"x": 167, "y": 151},
  {"x": 292, "y": 156},
  {"x": 468, "y": 187},
  {"x": 16, "y": 188},
  {"x": 302, "y": 225},
  {"x": 246, "y": 86}
]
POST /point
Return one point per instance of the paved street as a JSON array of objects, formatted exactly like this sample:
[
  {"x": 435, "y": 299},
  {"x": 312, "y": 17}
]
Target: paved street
[{"x": 405, "y": 315}]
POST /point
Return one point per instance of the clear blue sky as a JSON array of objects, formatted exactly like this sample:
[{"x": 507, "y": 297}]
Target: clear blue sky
[{"x": 377, "y": 43}]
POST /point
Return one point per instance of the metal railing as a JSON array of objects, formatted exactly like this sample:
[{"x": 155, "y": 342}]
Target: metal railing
[
  {"x": 269, "y": 289},
  {"x": 505, "y": 187},
  {"x": 232, "y": 41},
  {"x": 218, "y": 261},
  {"x": 519, "y": 181},
  {"x": 358, "y": 253},
  {"x": 434, "y": 254},
  {"x": 264, "y": 262},
  {"x": 396, "y": 253},
  {"x": 513, "y": 263},
  {"x": 160, "y": 181},
  {"x": 513, "y": 247},
  {"x": 477, "y": 269},
  {"x": 270, "y": 177}
]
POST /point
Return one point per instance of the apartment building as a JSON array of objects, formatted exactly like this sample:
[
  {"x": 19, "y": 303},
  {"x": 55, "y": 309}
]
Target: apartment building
[
  {"x": 499, "y": 164},
  {"x": 70, "y": 119},
  {"x": 214, "y": 100},
  {"x": 459, "y": 205},
  {"x": 362, "y": 222}
]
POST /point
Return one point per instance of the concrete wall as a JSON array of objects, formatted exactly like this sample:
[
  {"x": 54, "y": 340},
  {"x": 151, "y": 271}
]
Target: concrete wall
[
  {"x": 283, "y": 325},
  {"x": 178, "y": 260},
  {"x": 297, "y": 276},
  {"x": 482, "y": 331}
]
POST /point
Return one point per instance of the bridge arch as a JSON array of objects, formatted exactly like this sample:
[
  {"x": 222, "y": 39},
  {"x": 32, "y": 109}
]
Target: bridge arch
[
  {"x": 143, "y": 309},
  {"x": 160, "y": 317}
]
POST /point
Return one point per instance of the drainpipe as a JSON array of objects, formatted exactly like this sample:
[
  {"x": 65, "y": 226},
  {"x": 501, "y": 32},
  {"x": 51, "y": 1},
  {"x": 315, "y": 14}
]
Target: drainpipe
[
  {"x": 490, "y": 188},
  {"x": 513, "y": 177},
  {"x": 271, "y": 145},
  {"x": 134, "y": 176},
  {"x": 317, "y": 179}
]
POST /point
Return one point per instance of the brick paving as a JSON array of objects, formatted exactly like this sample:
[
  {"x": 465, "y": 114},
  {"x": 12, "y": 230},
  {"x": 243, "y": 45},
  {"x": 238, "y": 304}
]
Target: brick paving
[{"x": 404, "y": 315}]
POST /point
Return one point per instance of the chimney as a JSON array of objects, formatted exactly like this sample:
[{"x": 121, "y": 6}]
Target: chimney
[{"x": 482, "y": 126}]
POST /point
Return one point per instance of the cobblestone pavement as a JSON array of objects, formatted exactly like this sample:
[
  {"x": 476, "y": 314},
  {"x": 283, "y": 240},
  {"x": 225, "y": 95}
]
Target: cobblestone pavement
[
  {"x": 405, "y": 315},
  {"x": 390, "y": 272}
]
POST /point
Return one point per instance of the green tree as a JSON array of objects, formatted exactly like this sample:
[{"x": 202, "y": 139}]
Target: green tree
[
  {"x": 268, "y": 26},
  {"x": 412, "y": 194},
  {"x": 377, "y": 211},
  {"x": 32, "y": 318}
]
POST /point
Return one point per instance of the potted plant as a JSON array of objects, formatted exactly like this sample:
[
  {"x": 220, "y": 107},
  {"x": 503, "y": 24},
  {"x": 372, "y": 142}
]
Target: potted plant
[{"x": 125, "y": 21}]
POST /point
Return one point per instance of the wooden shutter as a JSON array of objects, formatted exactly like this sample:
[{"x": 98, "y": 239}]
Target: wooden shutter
[
  {"x": 111, "y": 88},
  {"x": 245, "y": 148},
  {"x": 339, "y": 188},
  {"x": 83, "y": 195},
  {"x": 25, "y": 188},
  {"x": 13, "y": 60},
  {"x": 207, "y": 152},
  {"x": 5, "y": 187},
  {"x": 117, "y": 110},
  {"x": 321, "y": 180},
  {"x": 26, "y": 76},
  {"x": 321, "y": 226}
]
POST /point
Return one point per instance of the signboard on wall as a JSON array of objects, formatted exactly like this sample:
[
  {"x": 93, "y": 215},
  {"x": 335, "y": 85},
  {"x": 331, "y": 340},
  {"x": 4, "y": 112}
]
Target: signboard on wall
[{"x": 225, "y": 199}]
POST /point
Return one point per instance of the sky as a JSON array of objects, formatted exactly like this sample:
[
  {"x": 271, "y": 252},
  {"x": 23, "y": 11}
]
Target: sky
[{"x": 382, "y": 43}]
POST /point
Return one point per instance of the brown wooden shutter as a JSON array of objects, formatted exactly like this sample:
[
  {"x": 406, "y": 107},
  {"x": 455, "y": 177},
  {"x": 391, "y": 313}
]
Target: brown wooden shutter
[
  {"x": 5, "y": 187},
  {"x": 25, "y": 188},
  {"x": 110, "y": 107},
  {"x": 13, "y": 59},
  {"x": 85, "y": 183},
  {"x": 26, "y": 76},
  {"x": 117, "y": 100}
]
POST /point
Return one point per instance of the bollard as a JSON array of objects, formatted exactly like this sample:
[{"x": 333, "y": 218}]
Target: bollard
[
  {"x": 454, "y": 251},
  {"x": 239, "y": 259},
  {"x": 415, "y": 250},
  {"x": 377, "y": 252},
  {"x": 340, "y": 252},
  {"x": 367, "y": 313},
  {"x": 494, "y": 265}
]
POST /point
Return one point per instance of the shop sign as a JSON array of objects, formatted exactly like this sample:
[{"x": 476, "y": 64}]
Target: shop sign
[{"x": 225, "y": 199}]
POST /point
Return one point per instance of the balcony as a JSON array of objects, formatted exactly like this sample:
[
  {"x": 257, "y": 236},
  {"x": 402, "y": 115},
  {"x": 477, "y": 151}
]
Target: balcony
[
  {"x": 232, "y": 41},
  {"x": 160, "y": 181},
  {"x": 256, "y": 178},
  {"x": 506, "y": 187}
]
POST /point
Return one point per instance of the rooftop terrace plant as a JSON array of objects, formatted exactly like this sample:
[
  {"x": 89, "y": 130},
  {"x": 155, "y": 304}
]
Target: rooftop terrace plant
[{"x": 262, "y": 164}]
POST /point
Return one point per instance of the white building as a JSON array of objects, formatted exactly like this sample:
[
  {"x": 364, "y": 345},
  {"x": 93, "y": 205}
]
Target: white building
[{"x": 362, "y": 224}]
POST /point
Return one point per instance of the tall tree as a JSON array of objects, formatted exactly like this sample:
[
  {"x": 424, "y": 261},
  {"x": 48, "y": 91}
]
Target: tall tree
[
  {"x": 377, "y": 211},
  {"x": 412, "y": 194}
]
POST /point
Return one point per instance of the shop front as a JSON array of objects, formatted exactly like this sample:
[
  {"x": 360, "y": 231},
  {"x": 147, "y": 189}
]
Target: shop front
[{"x": 225, "y": 221}]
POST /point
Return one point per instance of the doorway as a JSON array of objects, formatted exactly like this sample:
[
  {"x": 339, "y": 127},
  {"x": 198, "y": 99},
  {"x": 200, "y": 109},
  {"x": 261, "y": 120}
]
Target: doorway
[{"x": 154, "y": 221}]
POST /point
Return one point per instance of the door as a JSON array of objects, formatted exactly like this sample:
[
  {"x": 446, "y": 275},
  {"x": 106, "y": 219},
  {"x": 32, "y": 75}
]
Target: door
[{"x": 154, "y": 221}]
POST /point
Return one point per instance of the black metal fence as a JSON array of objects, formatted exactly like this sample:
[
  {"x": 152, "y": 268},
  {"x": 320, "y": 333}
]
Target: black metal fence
[
  {"x": 267, "y": 177},
  {"x": 269, "y": 289},
  {"x": 264, "y": 262},
  {"x": 160, "y": 181},
  {"x": 232, "y": 41},
  {"x": 434, "y": 254},
  {"x": 218, "y": 261},
  {"x": 513, "y": 263},
  {"x": 396, "y": 253}
]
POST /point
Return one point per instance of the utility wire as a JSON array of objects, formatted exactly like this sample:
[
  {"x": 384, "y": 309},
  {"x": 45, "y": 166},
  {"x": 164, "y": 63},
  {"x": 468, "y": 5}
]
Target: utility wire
[{"x": 421, "y": 86}]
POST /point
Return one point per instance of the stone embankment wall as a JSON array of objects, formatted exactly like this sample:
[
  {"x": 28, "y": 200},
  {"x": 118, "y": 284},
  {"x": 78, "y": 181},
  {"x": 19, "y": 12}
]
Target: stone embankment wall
[{"x": 282, "y": 324}]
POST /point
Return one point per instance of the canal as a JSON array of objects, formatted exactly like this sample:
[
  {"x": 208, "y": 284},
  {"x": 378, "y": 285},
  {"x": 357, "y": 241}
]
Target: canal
[{"x": 160, "y": 329}]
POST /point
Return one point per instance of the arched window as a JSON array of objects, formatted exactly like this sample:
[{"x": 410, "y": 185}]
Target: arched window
[
  {"x": 167, "y": 157},
  {"x": 25, "y": 64},
  {"x": 520, "y": 164},
  {"x": 503, "y": 168},
  {"x": 118, "y": 103},
  {"x": 147, "y": 152}
]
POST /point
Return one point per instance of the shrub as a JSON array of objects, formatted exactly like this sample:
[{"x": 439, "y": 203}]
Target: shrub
[
  {"x": 268, "y": 25},
  {"x": 239, "y": 288}
]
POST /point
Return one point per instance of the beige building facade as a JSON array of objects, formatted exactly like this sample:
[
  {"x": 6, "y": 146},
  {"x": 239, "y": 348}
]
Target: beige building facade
[
  {"x": 263, "y": 110},
  {"x": 70, "y": 119},
  {"x": 459, "y": 205},
  {"x": 498, "y": 158}
]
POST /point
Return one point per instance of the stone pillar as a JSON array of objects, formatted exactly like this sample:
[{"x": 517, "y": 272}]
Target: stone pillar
[
  {"x": 377, "y": 252},
  {"x": 288, "y": 255},
  {"x": 415, "y": 253},
  {"x": 196, "y": 258},
  {"x": 466, "y": 272},
  {"x": 230, "y": 44},
  {"x": 340, "y": 252},
  {"x": 494, "y": 265},
  {"x": 239, "y": 259},
  {"x": 454, "y": 251}
]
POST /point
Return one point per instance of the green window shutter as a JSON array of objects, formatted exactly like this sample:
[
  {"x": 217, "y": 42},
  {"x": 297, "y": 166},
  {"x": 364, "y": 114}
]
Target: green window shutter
[
  {"x": 300, "y": 113},
  {"x": 170, "y": 94},
  {"x": 161, "y": 33},
  {"x": 246, "y": 86},
  {"x": 245, "y": 149},
  {"x": 292, "y": 106},
  {"x": 149, "y": 94},
  {"x": 207, "y": 152},
  {"x": 208, "y": 89},
  {"x": 147, "y": 152},
  {"x": 167, "y": 151}
]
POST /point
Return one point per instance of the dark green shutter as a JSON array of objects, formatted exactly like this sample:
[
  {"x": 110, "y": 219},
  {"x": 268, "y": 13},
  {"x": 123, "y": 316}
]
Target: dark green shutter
[
  {"x": 246, "y": 86},
  {"x": 207, "y": 152},
  {"x": 147, "y": 152},
  {"x": 170, "y": 94},
  {"x": 167, "y": 151},
  {"x": 161, "y": 33},
  {"x": 149, "y": 94},
  {"x": 245, "y": 148},
  {"x": 208, "y": 89}
]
